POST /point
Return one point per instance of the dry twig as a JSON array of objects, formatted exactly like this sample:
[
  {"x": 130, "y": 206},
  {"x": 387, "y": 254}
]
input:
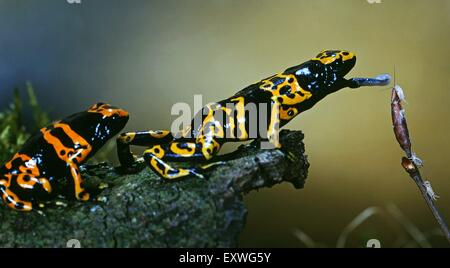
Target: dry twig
[{"x": 411, "y": 162}]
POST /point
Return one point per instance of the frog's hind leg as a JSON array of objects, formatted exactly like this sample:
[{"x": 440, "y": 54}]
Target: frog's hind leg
[
  {"x": 141, "y": 138},
  {"x": 201, "y": 150},
  {"x": 13, "y": 201}
]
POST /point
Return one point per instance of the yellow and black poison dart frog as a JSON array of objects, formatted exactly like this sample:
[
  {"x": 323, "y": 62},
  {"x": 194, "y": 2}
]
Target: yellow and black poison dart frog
[
  {"x": 287, "y": 94},
  {"x": 56, "y": 153}
]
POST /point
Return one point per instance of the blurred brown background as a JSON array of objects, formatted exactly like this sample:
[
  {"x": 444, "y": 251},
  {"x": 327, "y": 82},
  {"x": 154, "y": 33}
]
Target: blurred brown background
[{"x": 146, "y": 55}]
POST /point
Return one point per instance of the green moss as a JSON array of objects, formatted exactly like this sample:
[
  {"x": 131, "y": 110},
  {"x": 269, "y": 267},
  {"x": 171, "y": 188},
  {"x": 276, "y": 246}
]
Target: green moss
[
  {"x": 13, "y": 132},
  {"x": 40, "y": 117}
]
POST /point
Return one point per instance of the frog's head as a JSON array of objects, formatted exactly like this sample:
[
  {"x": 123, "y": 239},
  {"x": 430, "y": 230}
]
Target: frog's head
[
  {"x": 325, "y": 73},
  {"x": 339, "y": 62},
  {"x": 99, "y": 123},
  {"x": 110, "y": 119}
]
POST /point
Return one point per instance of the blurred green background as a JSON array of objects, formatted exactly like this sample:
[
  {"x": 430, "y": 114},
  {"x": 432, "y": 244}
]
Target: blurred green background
[{"x": 147, "y": 55}]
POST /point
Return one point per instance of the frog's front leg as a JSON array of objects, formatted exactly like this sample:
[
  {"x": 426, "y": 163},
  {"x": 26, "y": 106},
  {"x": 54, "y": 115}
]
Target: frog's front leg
[
  {"x": 141, "y": 138},
  {"x": 274, "y": 125},
  {"x": 79, "y": 191},
  {"x": 204, "y": 148}
]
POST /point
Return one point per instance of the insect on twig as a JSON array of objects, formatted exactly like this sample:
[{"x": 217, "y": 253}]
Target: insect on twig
[
  {"x": 411, "y": 162},
  {"x": 430, "y": 190}
]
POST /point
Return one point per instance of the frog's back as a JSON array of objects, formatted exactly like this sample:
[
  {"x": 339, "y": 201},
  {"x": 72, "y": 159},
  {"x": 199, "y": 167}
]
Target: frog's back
[{"x": 252, "y": 93}]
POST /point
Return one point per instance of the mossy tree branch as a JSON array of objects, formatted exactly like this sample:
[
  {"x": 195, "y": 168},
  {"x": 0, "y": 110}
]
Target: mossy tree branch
[{"x": 140, "y": 210}]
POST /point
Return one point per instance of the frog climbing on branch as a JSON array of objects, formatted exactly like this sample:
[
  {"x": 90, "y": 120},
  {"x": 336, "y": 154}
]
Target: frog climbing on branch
[{"x": 286, "y": 95}]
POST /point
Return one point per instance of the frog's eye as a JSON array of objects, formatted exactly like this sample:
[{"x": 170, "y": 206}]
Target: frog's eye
[
  {"x": 98, "y": 106},
  {"x": 107, "y": 110},
  {"x": 331, "y": 56},
  {"x": 346, "y": 55}
]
